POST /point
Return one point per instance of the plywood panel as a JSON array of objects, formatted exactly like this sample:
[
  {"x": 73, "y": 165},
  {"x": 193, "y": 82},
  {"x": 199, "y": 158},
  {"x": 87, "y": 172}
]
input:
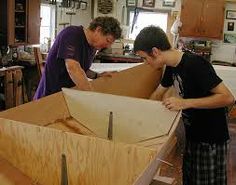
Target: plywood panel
[
  {"x": 41, "y": 112},
  {"x": 105, "y": 162},
  {"x": 12, "y": 176},
  {"x": 36, "y": 151},
  {"x": 139, "y": 81},
  {"x": 134, "y": 119}
]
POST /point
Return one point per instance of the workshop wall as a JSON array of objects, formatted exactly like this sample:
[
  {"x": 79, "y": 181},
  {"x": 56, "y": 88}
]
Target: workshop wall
[
  {"x": 78, "y": 14},
  {"x": 225, "y": 50}
]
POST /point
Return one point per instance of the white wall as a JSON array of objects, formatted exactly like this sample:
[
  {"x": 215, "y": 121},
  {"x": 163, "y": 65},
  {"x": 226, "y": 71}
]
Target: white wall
[
  {"x": 120, "y": 9},
  {"x": 82, "y": 17},
  {"x": 225, "y": 51}
]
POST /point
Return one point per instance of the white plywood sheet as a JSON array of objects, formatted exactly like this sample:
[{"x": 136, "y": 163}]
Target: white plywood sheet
[
  {"x": 134, "y": 119},
  {"x": 228, "y": 75},
  {"x": 101, "y": 67}
]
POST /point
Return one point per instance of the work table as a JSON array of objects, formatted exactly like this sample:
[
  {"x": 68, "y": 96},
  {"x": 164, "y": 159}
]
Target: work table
[
  {"x": 109, "y": 58},
  {"x": 227, "y": 73}
]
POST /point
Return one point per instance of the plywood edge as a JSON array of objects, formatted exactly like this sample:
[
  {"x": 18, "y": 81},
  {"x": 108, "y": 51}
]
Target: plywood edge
[{"x": 41, "y": 112}]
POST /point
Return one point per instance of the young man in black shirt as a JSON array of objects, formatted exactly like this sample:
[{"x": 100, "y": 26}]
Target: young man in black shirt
[{"x": 203, "y": 98}]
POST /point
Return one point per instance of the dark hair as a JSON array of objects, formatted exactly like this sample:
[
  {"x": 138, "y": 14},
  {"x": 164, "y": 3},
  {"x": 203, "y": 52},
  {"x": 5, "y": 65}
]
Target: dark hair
[
  {"x": 149, "y": 37},
  {"x": 109, "y": 25}
]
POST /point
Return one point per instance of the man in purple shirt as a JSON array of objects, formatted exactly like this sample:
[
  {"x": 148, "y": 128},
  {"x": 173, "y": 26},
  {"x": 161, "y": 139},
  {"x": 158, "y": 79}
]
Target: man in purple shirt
[{"x": 72, "y": 54}]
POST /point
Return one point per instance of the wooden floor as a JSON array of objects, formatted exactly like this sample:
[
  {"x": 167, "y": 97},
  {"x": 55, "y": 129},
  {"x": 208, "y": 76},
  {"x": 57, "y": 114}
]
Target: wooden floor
[{"x": 176, "y": 159}]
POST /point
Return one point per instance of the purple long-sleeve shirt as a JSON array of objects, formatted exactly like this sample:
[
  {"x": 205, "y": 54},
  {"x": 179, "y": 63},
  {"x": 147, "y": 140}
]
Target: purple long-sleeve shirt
[{"x": 71, "y": 43}]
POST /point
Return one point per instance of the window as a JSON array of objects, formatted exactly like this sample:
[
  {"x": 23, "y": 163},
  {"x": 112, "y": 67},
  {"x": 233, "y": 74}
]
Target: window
[
  {"x": 145, "y": 19},
  {"x": 47, "y": 27}
]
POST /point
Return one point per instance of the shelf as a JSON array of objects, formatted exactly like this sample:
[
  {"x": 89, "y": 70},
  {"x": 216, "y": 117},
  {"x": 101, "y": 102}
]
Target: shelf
[
  {"x": 19, "y": 11},
  {"x": 19, "y": 26}
]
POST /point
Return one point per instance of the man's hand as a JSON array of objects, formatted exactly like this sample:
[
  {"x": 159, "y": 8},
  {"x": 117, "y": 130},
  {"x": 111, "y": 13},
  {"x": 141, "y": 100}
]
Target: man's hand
[{"x": 175, "y": 103}]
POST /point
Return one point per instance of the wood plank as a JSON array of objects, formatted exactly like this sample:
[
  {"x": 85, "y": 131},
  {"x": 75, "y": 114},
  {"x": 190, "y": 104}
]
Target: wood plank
[
  {"x": 36, "y": 151},
  {"x": 130, "y": 115}
]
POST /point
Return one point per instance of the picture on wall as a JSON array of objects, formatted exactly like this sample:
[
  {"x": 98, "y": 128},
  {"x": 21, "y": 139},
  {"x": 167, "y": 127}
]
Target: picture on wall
[
  {"x": 231, "y": 14},
  {"x": 230, "y": 38},
  {"x": 168, "y": 4},
  {"x": 131, "y": 2},
  {"x": 148, "y": 3},
  {"x": 230, "y": 26}
]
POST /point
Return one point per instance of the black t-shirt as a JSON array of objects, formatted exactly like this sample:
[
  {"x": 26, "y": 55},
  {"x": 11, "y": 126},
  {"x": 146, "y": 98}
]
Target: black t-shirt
[{"x": 194, "y": 77}]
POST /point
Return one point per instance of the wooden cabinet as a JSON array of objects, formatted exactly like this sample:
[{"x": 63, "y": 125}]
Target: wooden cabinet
[
  {"x": 202, "y": 18},
  {"x": 23, "y": 21},
  {"x": 3, "y": 23},
  {"x": 33, "y": 21}
]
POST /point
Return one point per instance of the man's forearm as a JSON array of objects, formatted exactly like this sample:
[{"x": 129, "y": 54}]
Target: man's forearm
[
  {"x": 81, "y": 81},
  {"x": 77, "y": 75}
]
